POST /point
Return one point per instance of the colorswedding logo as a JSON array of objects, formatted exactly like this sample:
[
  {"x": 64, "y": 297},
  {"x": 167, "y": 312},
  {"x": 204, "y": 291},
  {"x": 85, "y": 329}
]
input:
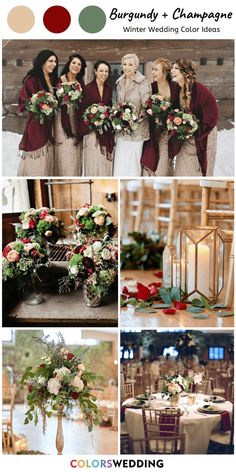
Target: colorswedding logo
[{"x": 116, "y": 463}]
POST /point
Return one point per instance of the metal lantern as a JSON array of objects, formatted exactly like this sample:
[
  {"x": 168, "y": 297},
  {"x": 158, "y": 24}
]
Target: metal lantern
[
  {"x": 168, "y": 257},
  {"x": 198, "y": 263}
]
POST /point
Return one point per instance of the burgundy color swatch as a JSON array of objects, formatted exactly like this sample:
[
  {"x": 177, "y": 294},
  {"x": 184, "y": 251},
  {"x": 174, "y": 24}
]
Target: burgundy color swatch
[{"x": 56, "y": 19}]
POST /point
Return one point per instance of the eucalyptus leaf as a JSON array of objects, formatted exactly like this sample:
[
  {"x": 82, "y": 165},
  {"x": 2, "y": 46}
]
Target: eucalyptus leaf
[
  {"x": 224, "y": 313},
  {"x": 205, "y": 303},
  {"x": 195, "y": 309},
  {"x": 201, "y": 316},
  {"x": 161, "y": 305},
  {"x": 219, "y": 305},
  {"x": 197, "y": 302},
  {"x": 165, "y": 296},
  {"x": 175, "y": 294},
  {"x": 144, "y": 310}
]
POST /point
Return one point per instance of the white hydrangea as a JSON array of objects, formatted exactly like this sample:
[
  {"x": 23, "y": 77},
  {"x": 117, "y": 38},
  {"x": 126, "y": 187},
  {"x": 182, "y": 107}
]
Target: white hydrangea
[
  {"x": 97, "y": 246},
  {"x": 41, "y": 380}
]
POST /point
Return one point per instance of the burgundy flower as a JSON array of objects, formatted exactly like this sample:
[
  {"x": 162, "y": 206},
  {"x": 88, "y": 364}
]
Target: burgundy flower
[
  {"x": 70, "y": 356},
  {"x": 43, "y": 214},
  {"x": 26, "y": 240},
  {"x": 41, "y": 366},
  {"x": 32, "y": 223},
  {"x": 75, "y": 395},
  {"x": 88, "y": 263},
  {"x": 30, "y": 388},
  {"x": 6, "y": 250},
  {"x": 77, "y": 249},
  {"x": 34, "y": 253}
]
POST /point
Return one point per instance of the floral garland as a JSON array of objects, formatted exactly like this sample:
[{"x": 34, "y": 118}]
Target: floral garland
[
  {"x": 43, "y": 105},
  {"x": 58, "y": 383},
  {"x": 40, "y": 224},
  {"x": 92, "y": 221},
  {"x": 22, "y": 258}
]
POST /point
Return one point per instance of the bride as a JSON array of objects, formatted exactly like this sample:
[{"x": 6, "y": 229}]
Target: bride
[{"x": 132, "y": 87}]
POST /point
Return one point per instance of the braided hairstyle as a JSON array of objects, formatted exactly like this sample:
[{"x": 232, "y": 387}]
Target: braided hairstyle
[{"x": 189, "y": 70}]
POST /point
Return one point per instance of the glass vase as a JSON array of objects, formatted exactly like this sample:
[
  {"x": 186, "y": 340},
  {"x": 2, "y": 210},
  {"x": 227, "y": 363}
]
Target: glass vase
[
  {"x": 33, "y": 293},
  {"x": 175, "y": 400}
]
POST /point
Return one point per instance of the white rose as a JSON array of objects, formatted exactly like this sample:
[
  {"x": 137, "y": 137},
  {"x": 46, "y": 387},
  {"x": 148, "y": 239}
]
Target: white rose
[
  {"x": 83, "y": 211},
  {"x": 77, "y": 383},
  {"x": 53, "y": 386},
  {"x": 63, "y": 350},
  {"x": 106, "y": 254},
  {"x": 97, "y": 246},
  {"x": 88, "y": 252},
  {"x": 81, "y": 367},
  {"x": 28, "y": 247},
  {"x": 73, "y": 270},
  {"x": 25, "y": 225},
  {"x": 60, "y": 373}
]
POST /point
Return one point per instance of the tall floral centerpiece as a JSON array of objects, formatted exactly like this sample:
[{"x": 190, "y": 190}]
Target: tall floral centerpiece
[
  {"x": 174, "y": 386},
  {"x": 92, "y": 221},
  {"x": 40, "y": 224},
  {"x": 56, "y": 385}
]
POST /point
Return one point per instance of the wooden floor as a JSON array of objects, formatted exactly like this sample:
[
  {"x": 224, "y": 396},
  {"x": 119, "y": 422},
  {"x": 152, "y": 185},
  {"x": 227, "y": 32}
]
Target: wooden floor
[
  {"x": 77, "y": 439},
  {"x": 181, "y": 319}
]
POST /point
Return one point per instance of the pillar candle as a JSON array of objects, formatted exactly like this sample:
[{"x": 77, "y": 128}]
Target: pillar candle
[{"x": 203, "y": 266}]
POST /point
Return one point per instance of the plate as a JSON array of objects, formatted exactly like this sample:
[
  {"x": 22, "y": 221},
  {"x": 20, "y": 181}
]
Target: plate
[
  {"x": 214, "y": 399},
  {"x": 138, "y": 404},
  {"x": 168, "y": 410},
  {"x": 210, "y": 410}
]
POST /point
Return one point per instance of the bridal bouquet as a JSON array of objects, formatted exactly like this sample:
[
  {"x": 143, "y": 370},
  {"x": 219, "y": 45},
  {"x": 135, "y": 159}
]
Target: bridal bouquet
[
  {"x": 181, "y": 125},
  {"x": 174, "y": 385},
  {"x": 58, "y": 383},
  {"x": 124, "y": 118},
  {"x": 40, "y": 224},
  {"x": 22, "y": 259},
  {"x": 97, "y": 118},
  {"x": 158, "y": 107},
  {"x": 95, "y": 264},
  {"x": 43, "y": 105},
  {"x": 69, "y": 93},
  {"x": 92, "y": 221}
]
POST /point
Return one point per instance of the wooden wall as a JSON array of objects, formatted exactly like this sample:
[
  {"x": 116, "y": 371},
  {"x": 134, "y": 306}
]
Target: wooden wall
[{"x": 219, "y": 78}]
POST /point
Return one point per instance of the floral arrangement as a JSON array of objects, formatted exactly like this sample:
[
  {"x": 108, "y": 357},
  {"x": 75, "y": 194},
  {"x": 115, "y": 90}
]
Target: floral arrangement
[
  {"x": 43, "y": 105},
  {"x": 95, "y": 264},
  {"x": 40, "y": 224},
  {"x": 22, "y": 258},
  {"x": 92, "y": 221},
  {"x": 174, "y": 385},
  {"x": 124, "y": 118},
  {"x": 97, "y": 118},
  {"x": 58, "y": 383},
  {"x": 69, "y": 93},
  {"x": 158, "y": 107},
  {"x": 181, "y": 125},
  {"x": 143, "y": 251},
  {"x": 186, "y": 345}
]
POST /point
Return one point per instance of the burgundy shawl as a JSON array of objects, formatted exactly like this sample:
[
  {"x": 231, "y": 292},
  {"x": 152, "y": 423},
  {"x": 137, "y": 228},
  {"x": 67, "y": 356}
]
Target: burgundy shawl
[
  {"x": 36, "y": 135},
  {"x": 91, "y": 95},
  {"x": 203, "y": 105},
  {"x": 65, "y": 117},
  {"x": 150, "y": 156}
]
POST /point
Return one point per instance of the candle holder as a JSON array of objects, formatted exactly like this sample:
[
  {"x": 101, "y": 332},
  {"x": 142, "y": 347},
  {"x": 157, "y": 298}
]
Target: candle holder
[
  {"x": 198, "y": 264},
  {"x": 168, "y": 257},
  {"x": 224, "y": 263}
]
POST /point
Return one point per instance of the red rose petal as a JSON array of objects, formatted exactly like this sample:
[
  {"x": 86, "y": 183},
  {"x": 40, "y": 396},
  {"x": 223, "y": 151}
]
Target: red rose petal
[
  {"x": 159, "y": 274},
  {"x": 143, "y": 292},
  {"x": 169, "y": 311},
  {"x": 180, "y": 305}
]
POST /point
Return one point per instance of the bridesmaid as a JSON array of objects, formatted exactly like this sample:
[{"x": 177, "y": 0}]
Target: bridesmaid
[
  {"x": 134, "y": 88},
  {"x": 196, "y": 157},
  {"x": 68, "y": 152},
  {"x": 98, "y": 149},
  {"x": 157, "y": 158},
  {"x": 36, "y": 146}
]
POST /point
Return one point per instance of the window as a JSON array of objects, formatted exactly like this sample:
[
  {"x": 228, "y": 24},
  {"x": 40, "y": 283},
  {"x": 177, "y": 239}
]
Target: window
[
  {"x": 171, "y": 351},
  {"x": 216, "y": 353},
  {"x": 127, "y": 353}
]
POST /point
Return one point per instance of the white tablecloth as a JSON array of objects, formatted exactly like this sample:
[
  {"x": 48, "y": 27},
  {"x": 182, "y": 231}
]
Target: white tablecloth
[{"x": 196, "y": 426}]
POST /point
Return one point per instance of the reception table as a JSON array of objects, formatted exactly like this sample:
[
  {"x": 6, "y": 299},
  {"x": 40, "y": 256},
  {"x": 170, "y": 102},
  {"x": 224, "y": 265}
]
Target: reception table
[
  {"x": 129, "y": 318},
  {"x": 197, "y": 426}
]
